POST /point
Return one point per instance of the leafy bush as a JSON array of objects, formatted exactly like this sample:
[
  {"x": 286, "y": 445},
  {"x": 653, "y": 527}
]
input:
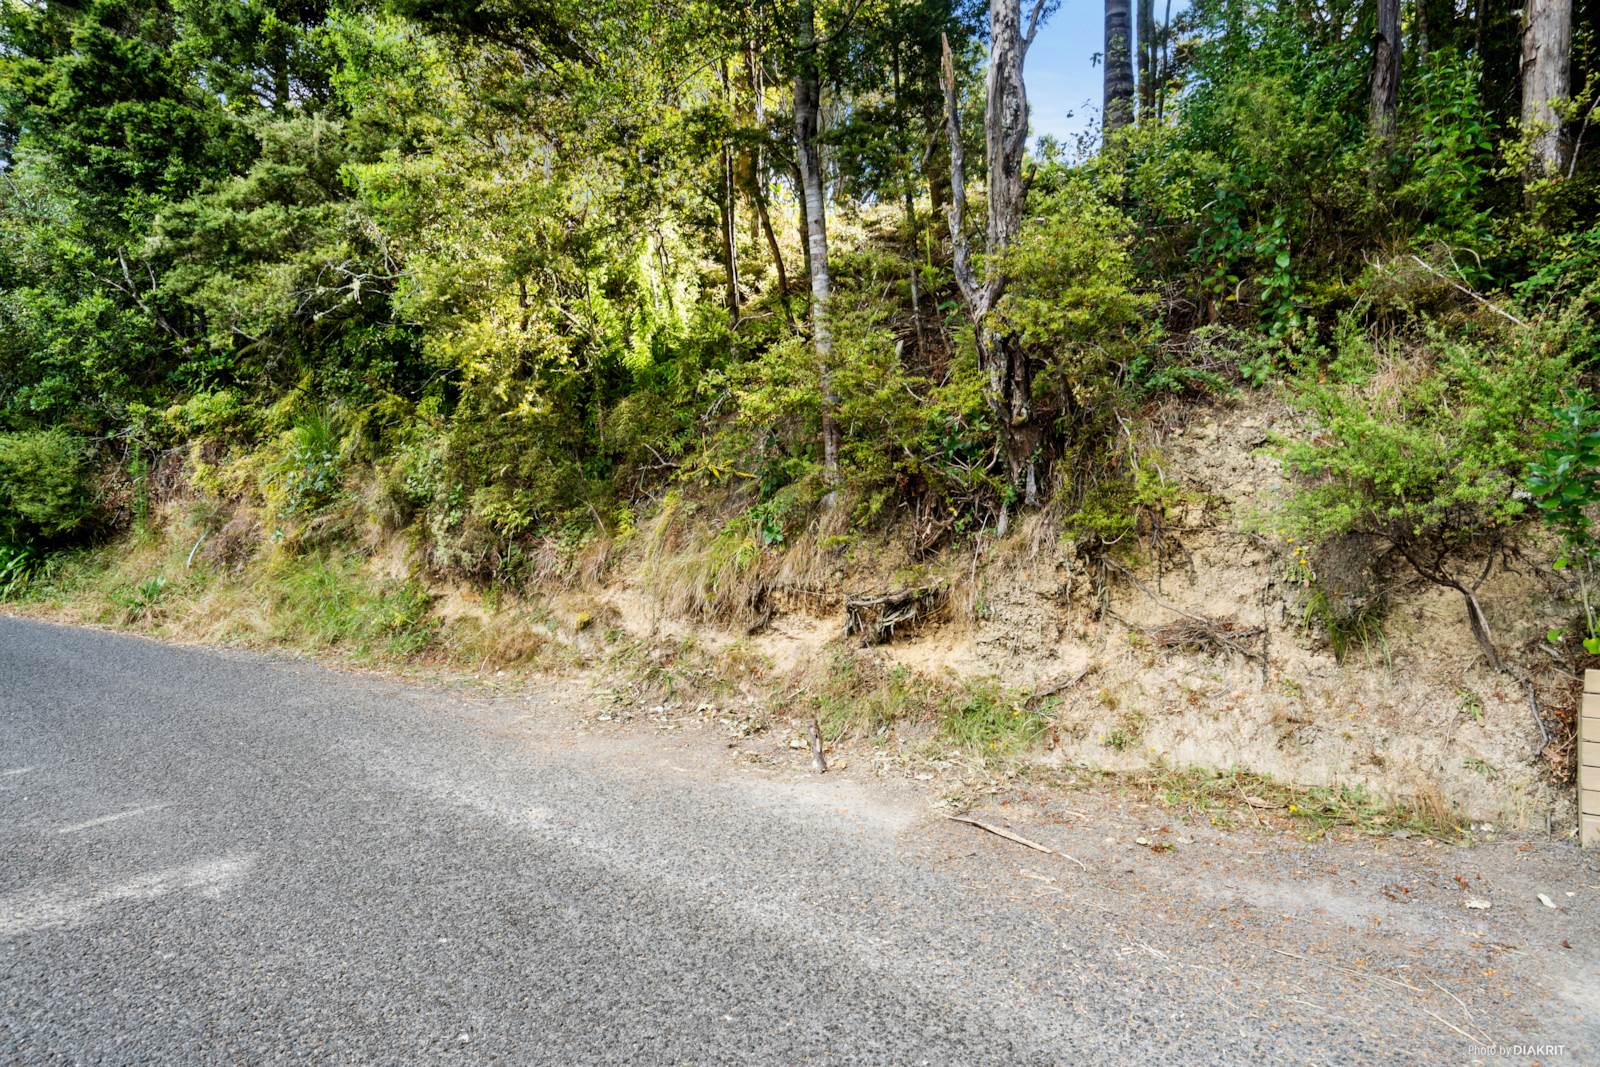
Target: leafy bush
[
  {"x": 45, "y": 496},
  {"x": 1565, "y": 482},
  {"x": 1425, "y": 453}
]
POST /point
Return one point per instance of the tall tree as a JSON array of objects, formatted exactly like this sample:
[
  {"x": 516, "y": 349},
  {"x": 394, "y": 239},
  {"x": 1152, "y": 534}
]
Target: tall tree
[
  {"x": 1005, "y": 120},
  {"x": 1385, "y": 69},
  {"x": 1147, "y": 58},
  {"x": 1546, "y": 76},
  {"x": 1117, "y": 107},
  {"x": 808, "y": 159}
]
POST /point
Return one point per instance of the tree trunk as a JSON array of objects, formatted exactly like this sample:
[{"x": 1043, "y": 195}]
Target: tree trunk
[
  {"x": 758, "y": 181},
  {"x": 1480, "y": 630},
  {"x": 1164, "y": 62},
  {"x": 1385, "y": 69},
  {"x": 1117, "y": 109},
  {"x": 807, "y": 104},
  {"x": 729, "y": 209},
  {"x": 1147, "y": 59},
  {"x": 1008, "y": 372},
  {"x": 1546, "y": 73}
]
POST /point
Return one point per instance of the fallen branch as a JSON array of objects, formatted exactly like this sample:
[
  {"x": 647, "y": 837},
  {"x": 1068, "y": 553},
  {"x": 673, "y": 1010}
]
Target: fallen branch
[
  {"x": 1000, "y": 831},
  {"x": 1485, "y": 301}
]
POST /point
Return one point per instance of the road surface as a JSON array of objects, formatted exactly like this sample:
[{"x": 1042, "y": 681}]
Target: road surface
[{"x": 220, "y": 857}]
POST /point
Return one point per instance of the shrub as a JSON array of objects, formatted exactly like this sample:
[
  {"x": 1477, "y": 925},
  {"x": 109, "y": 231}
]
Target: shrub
[
  {"x": 1425, "y": 454},
  {"x": 45, "y": 496}
]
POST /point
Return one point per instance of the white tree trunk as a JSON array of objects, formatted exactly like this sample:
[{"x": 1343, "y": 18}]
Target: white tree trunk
[
  {"x": 1546, "y": 74},
  {"x": 807, "y": 105}
]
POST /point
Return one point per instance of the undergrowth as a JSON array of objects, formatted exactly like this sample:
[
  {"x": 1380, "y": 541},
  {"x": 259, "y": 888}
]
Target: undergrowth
[{"x": 1233, "y": 797}]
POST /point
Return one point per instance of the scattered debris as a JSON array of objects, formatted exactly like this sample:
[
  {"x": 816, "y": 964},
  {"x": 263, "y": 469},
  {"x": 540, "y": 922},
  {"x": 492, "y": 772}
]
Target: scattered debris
[
  {"x": 1000, "y": 831},
  {"x": 1155, "y": 846},
  {"x": 1546, "y": 901},
  {"x": 1476, "y": 903}
]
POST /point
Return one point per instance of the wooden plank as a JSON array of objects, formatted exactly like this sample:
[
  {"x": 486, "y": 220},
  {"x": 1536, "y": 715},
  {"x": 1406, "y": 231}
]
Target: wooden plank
[
  {"x": 1591, "y": 681},
  {"x": 1591, "y": 705},
  {"x": 1590, "y": 827},
  {"x": 1589, "y": 777},
  {"x": 1589, "y": 754},
  {"x": 1591, "y": 801}
]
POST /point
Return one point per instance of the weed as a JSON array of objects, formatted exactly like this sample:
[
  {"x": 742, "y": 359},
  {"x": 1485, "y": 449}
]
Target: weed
[
  {"x": 1346, "y": 630},
  {"x": 1119, "y": 739},
  {"x": 986, "y": 719},
  {"x": 18, "y": 567},
  {"x": 1481, "y": 766},
  {"x": 1471, "y": 703},
  {"x": 860, "y": 696},
  {"x": 139, "y": 602}
]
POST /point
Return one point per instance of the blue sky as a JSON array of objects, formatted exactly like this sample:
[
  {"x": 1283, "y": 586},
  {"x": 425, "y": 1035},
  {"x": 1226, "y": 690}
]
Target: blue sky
[{"x": 1063, "y": 78}]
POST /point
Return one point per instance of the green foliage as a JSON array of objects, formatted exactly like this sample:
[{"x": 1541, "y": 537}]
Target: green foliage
[
  {"x": 1452, "y": 152},
  {"x": 45, "y": 495},
  {"x": 307, "y": 474},
  {"x": 18, "y": 568},
  {"x": 1564, "y": 477},
  {"x": 140, "y": 602},
  {"x": 988, "y": 720},
  {"x": 326, "y": 601},
  {"x": 1427, "y": 452}
]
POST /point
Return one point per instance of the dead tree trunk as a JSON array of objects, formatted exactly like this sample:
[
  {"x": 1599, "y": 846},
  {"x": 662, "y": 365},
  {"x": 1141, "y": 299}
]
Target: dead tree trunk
[
  {"x": 807, "y": 105},
  {"x": 1010, "y": 380},
  {"x": 1117, "y": 106},
  {"x": 1386, "y": 69},
  {"x": 1546, "y": 74}
]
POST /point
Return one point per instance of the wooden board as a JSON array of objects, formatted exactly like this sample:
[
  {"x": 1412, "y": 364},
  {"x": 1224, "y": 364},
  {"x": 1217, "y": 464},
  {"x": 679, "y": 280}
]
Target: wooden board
[
  {"x": 1591, "y": 801},
  {"x": 1591, "y": 705},
  {"x": 1589, "y": 754},
  {"x": 1591, "y": 681},
  {"x": 1590, "y": 835},
  {"x": 1589, "y": 777}
]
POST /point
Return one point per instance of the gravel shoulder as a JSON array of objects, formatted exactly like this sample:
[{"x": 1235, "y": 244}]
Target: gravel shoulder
[{"x": 223, "y": 856}]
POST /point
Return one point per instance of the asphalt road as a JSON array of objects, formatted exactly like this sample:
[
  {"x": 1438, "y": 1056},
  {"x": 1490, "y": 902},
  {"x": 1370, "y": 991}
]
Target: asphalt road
[{"x": 217, "y": 857}]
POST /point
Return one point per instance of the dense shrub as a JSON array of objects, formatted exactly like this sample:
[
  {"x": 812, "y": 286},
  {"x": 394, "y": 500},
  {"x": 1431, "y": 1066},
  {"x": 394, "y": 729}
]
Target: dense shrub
[{"x": 45, "y": 495}]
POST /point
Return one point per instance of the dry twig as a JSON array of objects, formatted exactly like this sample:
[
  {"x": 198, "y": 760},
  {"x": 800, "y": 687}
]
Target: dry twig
[{"x": 1000, "y": 831}]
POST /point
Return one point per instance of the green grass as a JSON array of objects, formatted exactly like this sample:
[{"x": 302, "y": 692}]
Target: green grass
[
  {"x": 327, "y": 602},
  {"x": 989, "y": 720}
]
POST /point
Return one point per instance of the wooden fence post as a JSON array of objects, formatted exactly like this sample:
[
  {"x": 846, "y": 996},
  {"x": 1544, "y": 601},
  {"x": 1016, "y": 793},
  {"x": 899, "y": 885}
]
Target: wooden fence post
[{"x": 1589, "y": 761}]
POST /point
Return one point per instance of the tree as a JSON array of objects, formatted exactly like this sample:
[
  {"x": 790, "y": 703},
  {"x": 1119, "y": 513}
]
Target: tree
[
  {"x": 1117, "y": 110},
  {"x": 1385, "y": 69},
  {"x": 1148, "y": 59},
  {"x": 808, "y": 157},
  {"x": 1005, "y": 121},
  {"x": 1546, "y": 76}
]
